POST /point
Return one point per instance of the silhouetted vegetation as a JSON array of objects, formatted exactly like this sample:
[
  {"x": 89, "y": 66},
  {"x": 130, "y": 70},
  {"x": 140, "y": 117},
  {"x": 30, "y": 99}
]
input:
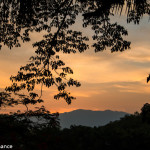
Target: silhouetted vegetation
[
  {"x": 130, "y": 132},
  {"x": 56, "y": 17},
  {"x": 18, "y": 19}
]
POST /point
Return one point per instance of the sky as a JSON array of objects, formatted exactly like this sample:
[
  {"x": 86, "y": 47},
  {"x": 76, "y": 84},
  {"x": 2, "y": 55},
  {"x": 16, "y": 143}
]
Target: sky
[{"x": 114, "y": 81}]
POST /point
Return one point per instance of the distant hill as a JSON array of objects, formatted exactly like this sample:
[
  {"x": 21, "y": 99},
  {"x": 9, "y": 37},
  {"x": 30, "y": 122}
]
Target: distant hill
[{"x": 89, "y": 118}]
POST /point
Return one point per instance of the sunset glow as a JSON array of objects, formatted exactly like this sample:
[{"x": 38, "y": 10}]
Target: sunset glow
[{"x": 115, "y": 81}]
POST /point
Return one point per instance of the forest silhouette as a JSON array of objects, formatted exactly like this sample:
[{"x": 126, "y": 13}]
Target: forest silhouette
[
  {"x": 131, "y": 132},
  {"x": 20, "y": 18}
]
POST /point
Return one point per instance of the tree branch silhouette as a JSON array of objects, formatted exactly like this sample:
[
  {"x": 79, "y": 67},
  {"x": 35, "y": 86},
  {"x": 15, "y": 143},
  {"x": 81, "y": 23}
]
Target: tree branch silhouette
[{"x": 20, "y": 18}]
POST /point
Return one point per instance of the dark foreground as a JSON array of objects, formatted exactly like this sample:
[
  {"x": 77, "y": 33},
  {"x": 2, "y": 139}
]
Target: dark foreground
[{"x": 131, "y": 132}]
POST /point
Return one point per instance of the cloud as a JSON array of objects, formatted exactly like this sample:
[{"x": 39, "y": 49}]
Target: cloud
[{"x": 114, "y": 81}]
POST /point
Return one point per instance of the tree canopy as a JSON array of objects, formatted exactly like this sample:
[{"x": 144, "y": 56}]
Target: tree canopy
[
  {"x": 19, "y": 18},
  {"x": 128, "y": 133}
]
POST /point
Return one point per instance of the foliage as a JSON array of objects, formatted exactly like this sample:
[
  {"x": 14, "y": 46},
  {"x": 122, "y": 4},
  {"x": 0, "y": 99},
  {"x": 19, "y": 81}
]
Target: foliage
[
  {"x": 145, "y": 113},
  {"x": 130, "y": 132},
  {"x": 56, "y": 17}
]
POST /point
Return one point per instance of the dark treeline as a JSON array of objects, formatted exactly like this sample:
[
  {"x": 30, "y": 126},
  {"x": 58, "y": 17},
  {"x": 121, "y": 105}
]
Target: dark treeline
[{"x": 130, "y": 132}]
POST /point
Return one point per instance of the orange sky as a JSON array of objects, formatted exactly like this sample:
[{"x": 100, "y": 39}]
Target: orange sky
[{"x": 115, "y": 81}]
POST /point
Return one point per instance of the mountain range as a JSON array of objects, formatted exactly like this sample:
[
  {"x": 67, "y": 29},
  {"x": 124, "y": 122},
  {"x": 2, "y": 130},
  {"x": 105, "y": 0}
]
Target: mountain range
[{"x": 89, "y": 118}]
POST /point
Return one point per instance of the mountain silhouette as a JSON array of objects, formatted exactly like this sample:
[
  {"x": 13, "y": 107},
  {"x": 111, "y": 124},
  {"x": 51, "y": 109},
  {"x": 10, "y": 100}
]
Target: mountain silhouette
[{"x": 89, "y": 118}]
